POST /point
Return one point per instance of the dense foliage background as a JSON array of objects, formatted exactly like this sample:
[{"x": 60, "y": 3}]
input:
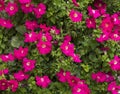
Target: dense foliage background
[{"x": 57, "y": 14}]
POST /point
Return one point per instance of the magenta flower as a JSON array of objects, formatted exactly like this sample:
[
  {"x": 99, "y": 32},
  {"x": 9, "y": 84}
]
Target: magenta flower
[
  {"x": 20, "y": 76},
  {"x": 31, "y": 37},
  {"x": 2, "y": 5},
  {"x": 75, "y": 16},
  {"x": 99, "y": 77},
  {"x": 24, "y": 1},
  {"x": 6, "y": 23},
  {"x": 76, "y": 58},
  {"x": 115, "y": 19},
  {"x": 93, "y": 13},
  {"x": 100, "y": 5},
  {"x": 42, "y": 81},
  {"x": 115, "y": 36},
  {"x": 28, "y": 64},
  {"x": 3, "y": 72},
  {"x": 20, "y": 53},
  {"x": 115, "y": 63},
  {"x": 106, "y": 26},
  {"x": 73, "y": 81},
  {"x": 103, "y": 37},
  {"x": 11, "y": 8},
  {"x": 54, "y": 30},
  {"x": 31, "y": 25},
  {"x": 90, "y": 22},
  {"x": 40, "y": 10},
  {"x": 7, "y": 57},
  {"x": 80, "y": 89},
  {"x": 109, "y": 78},
  {"x": 67, "y": 48},
  {"x": 44, "y": 47},
  {"x": 113, "y": 88},
  {"x": 44, "y": 36},
  {"x": 3, "y": 84},
  {"x": 75, "y": 3},
  {"x": 27, "y": 8},
  {"x": 67, "y": 38},
  {"x": 13, "y": 85},
  {"x": 44, "y": 28},
  {"x": 63, "y": 76}
]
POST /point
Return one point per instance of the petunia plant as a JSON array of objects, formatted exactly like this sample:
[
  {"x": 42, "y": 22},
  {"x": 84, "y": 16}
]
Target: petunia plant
[{"x": 59, "y": 47}]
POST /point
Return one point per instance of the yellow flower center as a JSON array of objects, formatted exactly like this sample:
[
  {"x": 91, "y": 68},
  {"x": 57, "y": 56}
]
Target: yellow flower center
[{"x": 75, "y": 15}]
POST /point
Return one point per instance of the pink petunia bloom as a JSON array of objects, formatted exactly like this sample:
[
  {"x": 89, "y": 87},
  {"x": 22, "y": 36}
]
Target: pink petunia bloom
[
  {"x": 31, "y": 25},
  {"x": 67, "y": 48},
  {"x": 115, "y": 19},
  {"x": 6, "y": 23},
  {"x": 75, "y": 3},
  {"x": 11, "y": 8},
  {"x": 7, "y": 57},
  {"x": 115, "y": 63},
  {"x": 43, "y": 81},
  {"x": 73, "y": 81},
  {"x": 44, "y": 28},
  {"x": 106, "y": 26},
  {"x": 67, "y": 38},
  {"x": 99, "y": 77},
  {"x": 103, "y": 37},
  {"x": 24, "y": 1},
  {"x": 28, "y": 64},
  {"x": 27, "y": 8},
  {"x": 80, "y": 89},
  {"x": 115, "y": 36},
  {"x": 44, "y": 47},
  {"x": 76, "y": 58},
  {"x": 44, "y": 36},
  {"x": 20, "y": 76},
  {"x": 93, "y": 13},
  {"x": 31, "y": 37},
  {"x": 21, "y": 52},
  {"x": 90, "y": 23},
  {"x": 63, "y": 76},
  {"x": 3, "y": 84},
  {"x": 113, "y": 88},
  {"x": 100, "y": 5},
  {"x": 2, "y": 5},
  {"x": 109, "y": 78},
  {"x": 54, "y": 30},
  {"x": 4, "y": 71},
  {"x": 75, "y": 16},
  {"x": 13, "y": 85},
  {"x": 40, "y": 10}
]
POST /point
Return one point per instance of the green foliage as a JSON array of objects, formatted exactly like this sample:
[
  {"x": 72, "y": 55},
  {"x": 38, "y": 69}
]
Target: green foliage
[{"x": 86, "y": 46}]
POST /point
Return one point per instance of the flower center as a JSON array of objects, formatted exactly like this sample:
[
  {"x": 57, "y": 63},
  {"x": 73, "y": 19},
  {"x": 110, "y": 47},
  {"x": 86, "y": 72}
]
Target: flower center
[
  {"x": 113, "y": 88},
  {"x": 115, "y": 35},
  {"x": 66, "y": 47},
  {"x": 43, "y": 46},
  {"x": 78, "y": 90},
  {"x": 64, "y": 74},
  {"x": 11, "y": 8},
  {"x": 39, "y": 9},
  {"x": 75, "y": 15},
  {"x": 115, "y": 62},
  {"x": 44, "y": 38},
  {"x": 22, "y": 51},
  {"x": 93, "y": 11},
  {"x": 3, "y": 84},
  {"x": 100, "y": 5},
  {"x": 30, "y": 35},
  {"x": 106, "y": 25},
  {"x": 6, "y": 56},
  {"x": 42, "y": 79},
  {"x": 28, "y": 64},
  {"x": 27, "y": 5}
]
